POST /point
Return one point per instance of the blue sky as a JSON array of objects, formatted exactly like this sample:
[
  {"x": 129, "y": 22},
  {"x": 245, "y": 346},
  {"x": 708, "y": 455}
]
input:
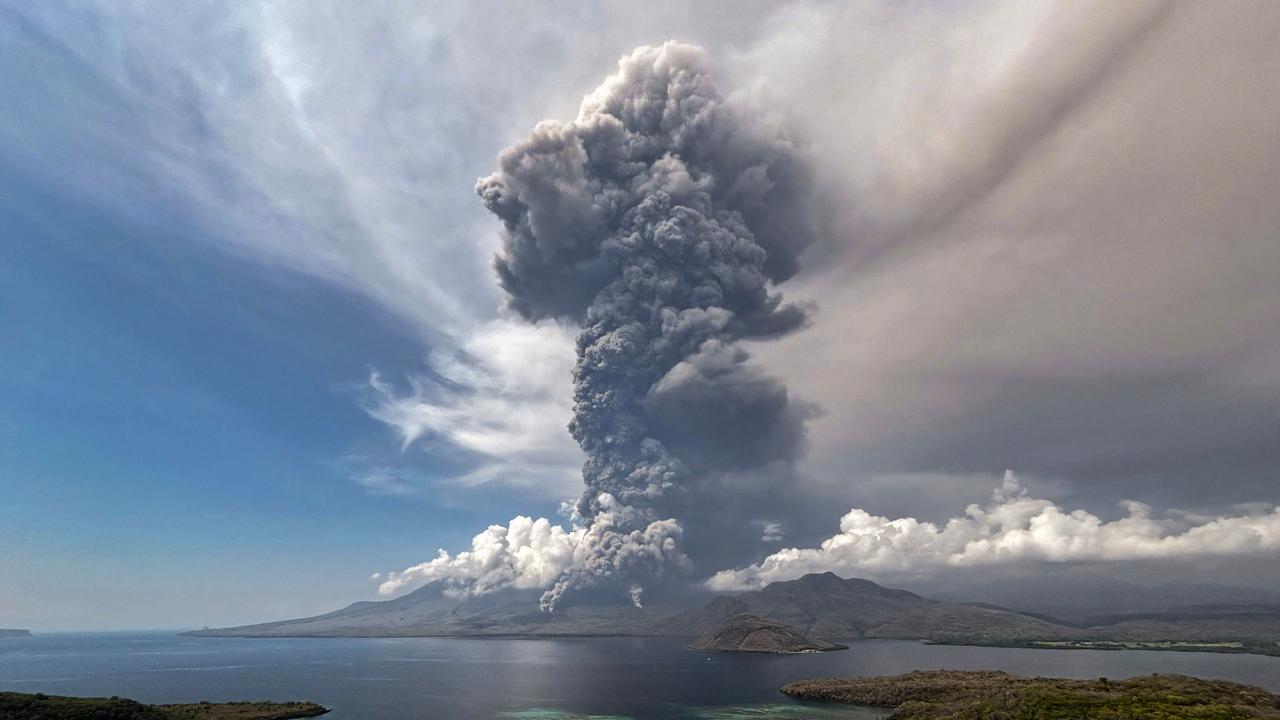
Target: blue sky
[
  {"x": 175, "y": 414},
  {"x": 218, "y": 223},
  {"x": 252, "y": 350}
]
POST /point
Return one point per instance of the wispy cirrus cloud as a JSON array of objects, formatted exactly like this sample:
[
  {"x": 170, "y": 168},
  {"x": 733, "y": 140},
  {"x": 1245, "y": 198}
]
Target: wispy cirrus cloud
[
  {"x": 389, "y": 481},
  {"x": 772, "y": 531},
  {"x": 504, "y": 397}
]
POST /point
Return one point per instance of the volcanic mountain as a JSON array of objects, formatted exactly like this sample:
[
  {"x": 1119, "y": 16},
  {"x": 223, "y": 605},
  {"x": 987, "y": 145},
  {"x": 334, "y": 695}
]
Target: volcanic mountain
[{"x": 819, "y": 606}]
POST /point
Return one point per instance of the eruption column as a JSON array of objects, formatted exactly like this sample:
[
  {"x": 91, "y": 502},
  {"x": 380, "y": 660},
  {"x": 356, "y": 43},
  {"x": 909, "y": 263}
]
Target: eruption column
[{"x": 657, "y": 220}]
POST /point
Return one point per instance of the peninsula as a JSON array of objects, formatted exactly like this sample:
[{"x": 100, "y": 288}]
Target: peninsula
[
  {"x": 751, "y": 633},
  {"x": 11, "y": 632},
  {"x": 38, "y": 706},
  {"x": 947, "y": 694}
]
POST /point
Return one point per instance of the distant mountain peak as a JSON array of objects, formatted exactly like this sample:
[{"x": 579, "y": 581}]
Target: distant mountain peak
[
  {"x": 830, "y": 582},
  {"x": 821, "y": 578},
  {"x": 818, "y": 606}
]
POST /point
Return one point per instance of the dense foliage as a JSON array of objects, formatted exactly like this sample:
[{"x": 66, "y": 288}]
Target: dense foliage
[
  {"x": 19, "y": 706},
  {"x": 949, "y": 695},
  {"x": 22, "y": 706}
]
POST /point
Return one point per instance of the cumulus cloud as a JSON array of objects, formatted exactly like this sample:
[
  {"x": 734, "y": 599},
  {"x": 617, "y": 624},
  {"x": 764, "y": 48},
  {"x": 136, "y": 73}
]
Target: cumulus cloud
[
  {"x": 504, "y": 396},
  {"x": 525, "y": 553},
  {"x": 528, "y": 553},
  {"x": 1013, "y": 528}
]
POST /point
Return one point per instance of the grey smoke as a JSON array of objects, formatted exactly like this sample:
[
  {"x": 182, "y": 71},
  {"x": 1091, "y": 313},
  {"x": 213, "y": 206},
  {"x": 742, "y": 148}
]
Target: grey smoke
[{"x": 658, "y": 220}]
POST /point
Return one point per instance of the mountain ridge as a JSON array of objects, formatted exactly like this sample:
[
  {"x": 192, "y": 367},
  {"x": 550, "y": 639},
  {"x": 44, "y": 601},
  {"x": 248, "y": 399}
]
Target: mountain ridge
[{"x": 819, "y": 605}]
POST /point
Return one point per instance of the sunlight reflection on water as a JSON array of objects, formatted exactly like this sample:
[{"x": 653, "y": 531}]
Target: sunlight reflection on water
[
  {"x": 531, "y": 679},
  {"x": 767, "y": 711}
]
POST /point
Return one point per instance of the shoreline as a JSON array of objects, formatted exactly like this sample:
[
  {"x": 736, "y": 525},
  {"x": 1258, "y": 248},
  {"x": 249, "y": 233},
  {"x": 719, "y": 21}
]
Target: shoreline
[
  {"x": 1219, "y": 647},
  {"x": 53, "y": 707},
  {"x": 941, "y": 694},
  {"x": 1223, "y": 647}
]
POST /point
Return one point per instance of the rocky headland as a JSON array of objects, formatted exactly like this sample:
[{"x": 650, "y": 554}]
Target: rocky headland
[{"x": 751, "y": 633}]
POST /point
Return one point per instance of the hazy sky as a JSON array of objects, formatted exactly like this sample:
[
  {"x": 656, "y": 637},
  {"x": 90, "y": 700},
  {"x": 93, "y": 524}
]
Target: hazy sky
[{"x": 252, "y": 349}]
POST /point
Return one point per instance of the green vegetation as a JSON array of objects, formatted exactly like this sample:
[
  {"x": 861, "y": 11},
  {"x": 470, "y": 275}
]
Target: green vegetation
[
  {"x": 1188, "y": 646},
  {"x": 950, "y": 695},
  {"x": 22, "y": 706},
  {"x": 1224, "y": 646}
]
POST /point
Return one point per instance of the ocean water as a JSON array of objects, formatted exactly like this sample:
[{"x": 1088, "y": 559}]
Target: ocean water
[{"x": 527, "y": 679}]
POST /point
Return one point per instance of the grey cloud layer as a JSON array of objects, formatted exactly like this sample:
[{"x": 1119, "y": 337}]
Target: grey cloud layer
[{"x": 1066, "y": 248}]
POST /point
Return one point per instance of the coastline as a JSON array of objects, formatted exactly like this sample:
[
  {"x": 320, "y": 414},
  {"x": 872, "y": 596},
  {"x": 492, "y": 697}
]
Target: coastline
[
  {"x": 941, "y": 694},
  {"x": 53, "y": 707},
  {"x": 1234, "y": 648}
]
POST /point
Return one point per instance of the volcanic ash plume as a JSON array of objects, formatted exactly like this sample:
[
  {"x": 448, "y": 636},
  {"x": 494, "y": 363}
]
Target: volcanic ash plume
[{"x": 657, "y": 221}]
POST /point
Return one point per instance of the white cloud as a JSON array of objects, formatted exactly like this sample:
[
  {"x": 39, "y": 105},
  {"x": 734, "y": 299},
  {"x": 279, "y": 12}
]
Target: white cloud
[
  {"x": 526, "y": 553},
  {"x": 771, "y": 532},
  {"x": 538, "y": 554},
  {"x": 276, "y": 130},
  {"x": 388, "y": 481},
  {"x": 1012, "y": 528},
  {"x": 506, "y": 396}
]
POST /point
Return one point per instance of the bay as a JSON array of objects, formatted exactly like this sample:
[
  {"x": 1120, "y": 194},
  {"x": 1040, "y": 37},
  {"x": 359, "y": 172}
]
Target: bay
[{"x": 529, "y": 679}]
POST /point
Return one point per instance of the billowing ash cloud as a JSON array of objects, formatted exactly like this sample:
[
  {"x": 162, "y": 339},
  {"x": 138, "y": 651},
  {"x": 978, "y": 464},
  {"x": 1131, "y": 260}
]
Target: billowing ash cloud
[
  {"x": 658, "y": 220},
  {"x": 1013, "y": 528}
]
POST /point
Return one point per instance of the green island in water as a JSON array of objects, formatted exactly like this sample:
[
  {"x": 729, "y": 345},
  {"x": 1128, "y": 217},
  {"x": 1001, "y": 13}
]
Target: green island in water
[
  {"x": 38, "y": 706},
  {"x": 989, "y": 695}
]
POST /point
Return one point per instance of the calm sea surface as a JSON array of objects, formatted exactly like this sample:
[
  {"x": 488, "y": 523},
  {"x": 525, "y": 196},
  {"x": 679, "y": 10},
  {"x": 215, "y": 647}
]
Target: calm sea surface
[{"x": 401, "y": 679}]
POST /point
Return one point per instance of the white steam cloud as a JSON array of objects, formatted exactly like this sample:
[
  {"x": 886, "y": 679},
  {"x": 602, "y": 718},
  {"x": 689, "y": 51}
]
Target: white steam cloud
[
  {"x": 528, "y": 553},
  {"x": 1013, "y": 528}
]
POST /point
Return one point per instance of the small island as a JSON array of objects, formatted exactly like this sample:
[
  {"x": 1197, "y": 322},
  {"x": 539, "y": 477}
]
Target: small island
[
  {"x": 12, "y": 632},
  {"x": 751, "y": 633},
  {"x": 951, "y": 695},
  {"x": 38, "y": 706}
]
